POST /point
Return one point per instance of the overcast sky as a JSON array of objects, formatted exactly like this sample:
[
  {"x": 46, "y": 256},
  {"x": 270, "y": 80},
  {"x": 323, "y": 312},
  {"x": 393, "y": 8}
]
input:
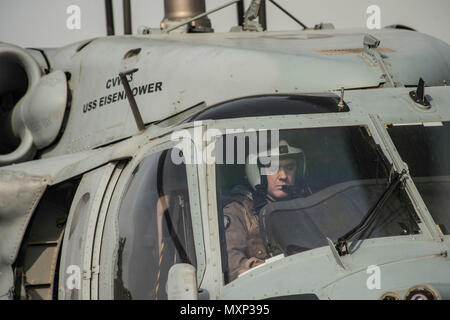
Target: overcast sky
[{"x": 42, "y": 23}]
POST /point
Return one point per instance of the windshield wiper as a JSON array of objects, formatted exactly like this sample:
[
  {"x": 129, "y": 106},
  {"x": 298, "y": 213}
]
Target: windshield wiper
[{"x": 342, "y": 242}]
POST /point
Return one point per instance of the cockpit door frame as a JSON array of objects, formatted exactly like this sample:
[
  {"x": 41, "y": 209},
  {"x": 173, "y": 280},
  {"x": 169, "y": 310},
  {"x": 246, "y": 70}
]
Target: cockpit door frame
[
  {"x": 95, "y": 281},
  {"x": 109, "y": 247},
  {"x": 78, "y": 244}
]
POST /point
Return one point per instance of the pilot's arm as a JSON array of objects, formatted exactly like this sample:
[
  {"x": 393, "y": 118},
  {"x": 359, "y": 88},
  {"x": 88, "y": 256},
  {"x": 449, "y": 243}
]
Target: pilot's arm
[{"x": 244, "y": 245}]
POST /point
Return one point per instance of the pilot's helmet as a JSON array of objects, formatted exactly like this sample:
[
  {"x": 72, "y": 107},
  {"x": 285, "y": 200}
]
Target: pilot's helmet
[{"x": 253, "y": 169}]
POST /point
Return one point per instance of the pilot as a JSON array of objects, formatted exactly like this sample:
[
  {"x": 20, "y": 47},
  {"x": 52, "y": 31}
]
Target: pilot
[{"x": 245, "y": 248}]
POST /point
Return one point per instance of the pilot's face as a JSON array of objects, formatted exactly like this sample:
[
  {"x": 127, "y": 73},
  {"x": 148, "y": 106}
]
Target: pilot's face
[{"x": 285, "y": 176}]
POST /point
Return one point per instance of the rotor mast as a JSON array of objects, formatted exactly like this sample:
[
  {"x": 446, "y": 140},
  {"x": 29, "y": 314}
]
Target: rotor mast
[{"x": 176, "y": 11}]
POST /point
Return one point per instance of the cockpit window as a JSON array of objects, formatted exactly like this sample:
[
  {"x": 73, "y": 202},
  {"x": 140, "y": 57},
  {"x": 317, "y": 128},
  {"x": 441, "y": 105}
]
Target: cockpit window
[
  {"x": 426, "y": 150},
  {"x": 155, "y": 228},
  {"x": 322, "y": 184}
]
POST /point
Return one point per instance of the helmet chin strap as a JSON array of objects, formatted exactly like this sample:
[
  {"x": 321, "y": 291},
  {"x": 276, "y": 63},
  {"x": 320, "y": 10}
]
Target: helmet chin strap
[{"x": 263, "y": 179}]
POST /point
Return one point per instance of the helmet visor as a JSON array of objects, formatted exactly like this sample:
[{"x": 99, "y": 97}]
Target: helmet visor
[{"x": 289, "y": 163}]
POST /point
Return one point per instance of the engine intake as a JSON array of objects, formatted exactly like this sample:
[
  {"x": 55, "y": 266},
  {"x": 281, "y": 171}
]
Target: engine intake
[{"x": 32, "y": 106}]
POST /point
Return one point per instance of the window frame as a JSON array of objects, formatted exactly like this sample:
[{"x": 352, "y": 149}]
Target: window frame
[{"x": 110, "y": 241}]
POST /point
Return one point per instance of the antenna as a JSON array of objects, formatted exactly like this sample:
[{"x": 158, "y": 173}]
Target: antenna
[
  {"x": 240, "y": 12},
  {"x": 341, "y": 101},
  {"x": 109, "y": 18},
  {"x": 263, "y": 15},
  {"x": 288, "y": 14},
  {"x": 419, "y": 95},
  {"x": 126, "y": 17},
  {"x": 133, "y": 105},
  {"x": 250, "y": 23}
]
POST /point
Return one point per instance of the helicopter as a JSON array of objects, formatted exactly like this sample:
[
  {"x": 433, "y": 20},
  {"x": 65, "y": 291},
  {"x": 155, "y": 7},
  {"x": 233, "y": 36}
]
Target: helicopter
[{"x": 117, "y": 154}]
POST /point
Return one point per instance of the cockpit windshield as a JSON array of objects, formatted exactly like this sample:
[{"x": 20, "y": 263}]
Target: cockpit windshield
[
  {"x": 320, "y": 184},
  {"x": 425, "y": 148}
]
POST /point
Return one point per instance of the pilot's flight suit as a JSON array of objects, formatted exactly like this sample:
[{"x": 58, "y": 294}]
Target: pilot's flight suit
[{"x": 245, "y": 247}]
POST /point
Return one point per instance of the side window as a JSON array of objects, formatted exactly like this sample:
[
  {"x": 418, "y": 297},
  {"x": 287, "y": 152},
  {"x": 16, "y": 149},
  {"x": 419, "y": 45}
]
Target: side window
[{"x": 155, "y": 228}]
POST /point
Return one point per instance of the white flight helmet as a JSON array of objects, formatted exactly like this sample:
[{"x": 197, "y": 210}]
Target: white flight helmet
[{"x": 253, "y": 170}]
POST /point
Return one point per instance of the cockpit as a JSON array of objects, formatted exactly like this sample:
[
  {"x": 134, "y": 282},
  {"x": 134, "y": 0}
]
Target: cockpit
[
  {"x": 289, "y": 174},
  {"x": 345, "y": 190}
]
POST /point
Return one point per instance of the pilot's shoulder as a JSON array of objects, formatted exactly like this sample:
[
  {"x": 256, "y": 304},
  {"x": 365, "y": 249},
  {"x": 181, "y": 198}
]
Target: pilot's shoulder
[
  {"x": 242, "y": 191},
  {"x": 233, "y": 207}
]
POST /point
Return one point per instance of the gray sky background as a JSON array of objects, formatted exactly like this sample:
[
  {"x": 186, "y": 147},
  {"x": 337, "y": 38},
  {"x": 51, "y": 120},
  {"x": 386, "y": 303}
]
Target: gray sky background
[{"x": 42, "y": 23}]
